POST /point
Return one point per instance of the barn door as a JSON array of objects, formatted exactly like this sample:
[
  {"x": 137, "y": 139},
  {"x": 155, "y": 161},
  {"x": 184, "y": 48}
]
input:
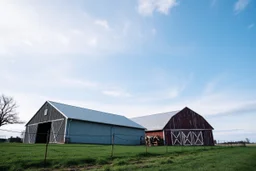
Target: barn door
[
  {"x": 198, "y": 138},
  {"x": 187, "y": 138},
  {"x": 176, "y": 137},
  {"x": 55, "y": 136},
  {"x": 31, "y": 133}
]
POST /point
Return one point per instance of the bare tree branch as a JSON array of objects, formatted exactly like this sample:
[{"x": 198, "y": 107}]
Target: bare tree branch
[{"x": 8, "y": 114}]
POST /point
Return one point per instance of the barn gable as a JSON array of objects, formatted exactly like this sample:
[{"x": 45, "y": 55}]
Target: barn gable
[
  {"x": 46, "y": 113},
  {"x": 46, "y": 116},
  {"x": 187, "y": 119}
]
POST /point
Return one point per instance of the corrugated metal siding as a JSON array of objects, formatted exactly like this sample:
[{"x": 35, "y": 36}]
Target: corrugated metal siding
[
  {"x": 95, "y": 133},
  {"x": 128, "y": 136},
  {"x": 155, "y": 121},
  {"x": 79, "y": 113}
]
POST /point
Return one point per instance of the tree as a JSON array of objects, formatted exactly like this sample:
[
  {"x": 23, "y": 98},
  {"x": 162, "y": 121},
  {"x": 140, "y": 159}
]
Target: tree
[
  {"x": 247, "y": 140},
  {"x": 8, "y": 114},
  {"x": 15, "y": 139}
]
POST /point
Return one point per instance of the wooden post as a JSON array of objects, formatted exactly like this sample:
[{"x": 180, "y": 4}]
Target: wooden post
[
  {"x": 46, "y": 148},
  {"x": 146, "y": 144},
  {"x": 113, "y": 141}
]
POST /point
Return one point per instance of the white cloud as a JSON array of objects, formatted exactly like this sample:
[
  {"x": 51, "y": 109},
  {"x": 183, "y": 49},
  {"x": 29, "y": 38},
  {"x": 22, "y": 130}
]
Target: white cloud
[
  {"x": 147, "y": 7},
  {"x": 240, "y": 5},
  {"x": 116, "y": 93},
  {"x": 155, "y": 96},
  {"x": 103, "y": 23},
  {"x": 213, "y": 103},
  {"x": 251, "y": 26},
  {"x": 27, "y": 42},
  {"x": 36, "y": 29},
  {"x": 78, "y": 83},
  {"x": 41, "y": 63},
  {"x": 93, "y": 42}
]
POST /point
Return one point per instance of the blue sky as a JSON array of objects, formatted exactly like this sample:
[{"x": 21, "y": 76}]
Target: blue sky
[{"x": 134, "y": 58}]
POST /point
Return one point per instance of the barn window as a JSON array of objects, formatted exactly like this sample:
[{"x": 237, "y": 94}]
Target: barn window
[{"x": 45, "y": 112}]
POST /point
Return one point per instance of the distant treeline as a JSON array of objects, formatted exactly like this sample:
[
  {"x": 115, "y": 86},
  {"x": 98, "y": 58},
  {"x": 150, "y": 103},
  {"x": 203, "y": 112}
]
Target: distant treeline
[
  {"x": 234, "y": 142},
  {"x": 11, "y": 140}
]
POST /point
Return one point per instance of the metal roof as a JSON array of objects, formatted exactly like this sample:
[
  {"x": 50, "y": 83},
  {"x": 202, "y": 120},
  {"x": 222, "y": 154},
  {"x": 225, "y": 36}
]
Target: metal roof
[
  {"x": 79, "y": 113},
  {"x": 155, "y": 121}
]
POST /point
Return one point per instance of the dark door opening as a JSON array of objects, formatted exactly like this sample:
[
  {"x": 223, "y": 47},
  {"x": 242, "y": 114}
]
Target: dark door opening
[{"x": 42, "y": 131}]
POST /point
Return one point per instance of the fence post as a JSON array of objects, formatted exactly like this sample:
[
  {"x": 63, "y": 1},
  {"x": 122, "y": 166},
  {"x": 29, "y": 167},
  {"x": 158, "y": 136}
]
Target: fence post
[
  {"x": 112, "y": 148},
  {"x": 46, "y": 148},
  {"x": 146, "y": 148}
]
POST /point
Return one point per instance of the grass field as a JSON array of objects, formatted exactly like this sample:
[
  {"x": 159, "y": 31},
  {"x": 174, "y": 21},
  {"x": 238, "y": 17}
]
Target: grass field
[{"x": 97, "y": 157}]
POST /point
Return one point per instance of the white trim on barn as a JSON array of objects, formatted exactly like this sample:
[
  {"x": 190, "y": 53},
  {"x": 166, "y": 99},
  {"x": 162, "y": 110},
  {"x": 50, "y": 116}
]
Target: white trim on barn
[
  {"x": 54, "y": 132},
  {"x": 190, "y": 138},
  {"x": 176, "y": 138},
  {"x": 199, "y": 138},
  {"x": 57, "y": 109},
  {"x": 65, "y": 131},
  {"x": 45, "y": 122},
  {"x": 28, "y": 135},
  {"x": 187, "y": 129},
  {"x": 164, "y": 137}
]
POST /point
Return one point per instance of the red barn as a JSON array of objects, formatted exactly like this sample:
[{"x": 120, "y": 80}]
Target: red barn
[{"x": 184, "y": 127}]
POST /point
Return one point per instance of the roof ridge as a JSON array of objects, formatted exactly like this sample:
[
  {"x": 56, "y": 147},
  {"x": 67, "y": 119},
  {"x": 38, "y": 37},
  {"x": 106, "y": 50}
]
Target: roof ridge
[
  {"x": 157, "y": 114},
  {"x": 85, "y": 114},
  {"x": 86, "y": 108}
]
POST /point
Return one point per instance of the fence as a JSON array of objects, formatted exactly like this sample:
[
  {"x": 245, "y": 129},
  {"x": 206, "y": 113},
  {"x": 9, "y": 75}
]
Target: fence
[
  {"x": 230, "y": 143},
  {"x": 50, "y": 152}
]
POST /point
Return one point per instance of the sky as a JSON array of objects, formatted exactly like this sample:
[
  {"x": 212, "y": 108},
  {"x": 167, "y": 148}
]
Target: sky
[{"x": 133, "y": 58}]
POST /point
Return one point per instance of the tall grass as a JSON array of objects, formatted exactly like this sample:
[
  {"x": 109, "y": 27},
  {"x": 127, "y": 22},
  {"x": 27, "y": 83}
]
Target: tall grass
[{"x": 31, "y": 156}]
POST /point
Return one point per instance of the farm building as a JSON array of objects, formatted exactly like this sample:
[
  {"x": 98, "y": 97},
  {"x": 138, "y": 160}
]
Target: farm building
[
  {"x": 184, "y": 127},
  {"x": 62, "y": 123}
]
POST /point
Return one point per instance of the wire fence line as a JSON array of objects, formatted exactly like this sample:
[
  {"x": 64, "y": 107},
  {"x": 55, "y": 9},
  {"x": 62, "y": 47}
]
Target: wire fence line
[
  {"x": 116, "y": 136},
  {"x": 51, "y": 150},
  {"x": 23, "y": 132}
]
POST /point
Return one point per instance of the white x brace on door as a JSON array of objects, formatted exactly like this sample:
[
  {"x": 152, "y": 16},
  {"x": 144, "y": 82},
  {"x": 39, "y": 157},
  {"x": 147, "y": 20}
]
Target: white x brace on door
[
  {"x": 198, "y": 138},
  {"x": 187, "y": 137},
  {"x": 56, "y": 125},
  {"x": 176, "y": 138}
]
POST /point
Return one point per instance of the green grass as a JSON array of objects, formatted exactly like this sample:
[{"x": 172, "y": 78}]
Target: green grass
[{"x": 97, "y": 157}]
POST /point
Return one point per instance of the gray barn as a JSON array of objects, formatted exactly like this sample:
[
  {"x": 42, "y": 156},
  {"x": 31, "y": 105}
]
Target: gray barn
[{"x": 69, "y": 124}]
